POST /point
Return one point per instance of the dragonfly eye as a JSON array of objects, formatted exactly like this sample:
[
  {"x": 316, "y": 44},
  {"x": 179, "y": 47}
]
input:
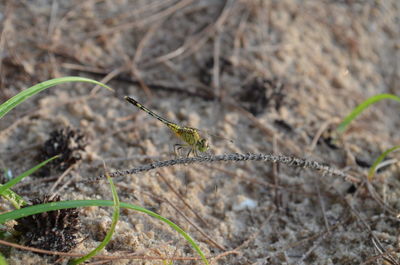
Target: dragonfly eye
[{"x": 202, "y": 145}]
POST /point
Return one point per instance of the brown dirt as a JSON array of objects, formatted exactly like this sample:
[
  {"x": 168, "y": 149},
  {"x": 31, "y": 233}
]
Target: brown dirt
[{"x": 267, "y": 74}]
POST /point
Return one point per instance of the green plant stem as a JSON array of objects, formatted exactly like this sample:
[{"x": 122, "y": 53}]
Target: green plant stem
[
  {"x": 29, "y": 92},
  {"x": 40, "y": 208},
  {"x": 16, "y": 200},
  {"x": 365, "y": 104},
  {"x": 109, "y": 234},
  {"x": 372, "y": 169}
]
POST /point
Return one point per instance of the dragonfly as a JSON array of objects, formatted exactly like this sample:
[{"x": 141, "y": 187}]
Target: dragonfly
[{"x": 188, "y": 135}]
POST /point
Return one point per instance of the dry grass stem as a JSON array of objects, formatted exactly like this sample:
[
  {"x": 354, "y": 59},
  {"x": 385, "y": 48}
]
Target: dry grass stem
[{"x": 286, "y": 160}]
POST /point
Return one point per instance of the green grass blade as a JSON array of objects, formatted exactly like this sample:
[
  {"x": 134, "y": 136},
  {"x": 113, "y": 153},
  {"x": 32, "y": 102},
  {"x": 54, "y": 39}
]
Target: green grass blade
[
  {"x": 357, "y": 110},
  {"x": 3, "y": 260},
  {"x": 372, "y": 170},
  {"x": 14, "y": 181},
  {"x": 16, "y": 200},
  {"x": 5, "y": 189},
  {"x": 27, "y": 93},
  {"x": 110, "y": 232},
  {"x": 16, "y": 214}
]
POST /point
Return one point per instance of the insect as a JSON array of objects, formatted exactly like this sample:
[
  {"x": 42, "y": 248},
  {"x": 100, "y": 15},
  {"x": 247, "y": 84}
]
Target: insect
[{"x": 189, "y": 135}]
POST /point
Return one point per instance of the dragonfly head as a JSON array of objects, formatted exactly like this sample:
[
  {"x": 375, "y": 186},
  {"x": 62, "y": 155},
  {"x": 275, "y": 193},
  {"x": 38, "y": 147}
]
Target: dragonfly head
[{"x": 202, "y": 145}]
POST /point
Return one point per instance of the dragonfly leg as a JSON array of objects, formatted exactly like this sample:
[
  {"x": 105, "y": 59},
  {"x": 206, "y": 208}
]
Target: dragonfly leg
[
  {"x": 195, "y": 152},
  {"x": 178, "y": 148},
  {"x": 192, "y": 150}
]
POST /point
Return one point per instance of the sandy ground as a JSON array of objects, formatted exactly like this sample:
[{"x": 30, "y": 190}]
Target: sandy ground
[{"x": 273, "y": 76}]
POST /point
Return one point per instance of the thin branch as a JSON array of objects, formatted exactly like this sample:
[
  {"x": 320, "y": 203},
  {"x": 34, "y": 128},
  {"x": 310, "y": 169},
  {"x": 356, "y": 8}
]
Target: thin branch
[
  {"x": 195, "y": 42},
  {"x": 171, "y": 187},
  {"x": 375, "y": 240},
  {"x": 165, "y": 200},
  {"x": 144, "y": 21},
  {"x": 61, "y": 177},
  {"x": 321, "y": 203},
  {"x": 319, "y": 133},
  {"x": 206, "y": 95},
  {"x": 104, "y": 257},
  {"x": 286, "y": 160},
  {"x": 316, "y": 243},
  {"x": 374, "y": 259}
]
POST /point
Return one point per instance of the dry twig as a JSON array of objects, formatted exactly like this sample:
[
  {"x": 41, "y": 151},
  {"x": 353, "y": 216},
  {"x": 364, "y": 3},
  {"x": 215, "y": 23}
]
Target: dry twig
[{"x": 290, "y": 161}]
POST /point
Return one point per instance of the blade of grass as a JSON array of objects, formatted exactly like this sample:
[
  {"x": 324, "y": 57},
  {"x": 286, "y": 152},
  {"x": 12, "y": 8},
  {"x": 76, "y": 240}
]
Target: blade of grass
[
  {"x": 40, "y": 208},
  {"x": 2, "y": 260},
  {"x": 14, "y": 181},
  {"x": 5, "y": 189},
  {"x": 372, "y": 170},
  {"x": 110, "y": 232},
  {"x": 27, "y": 93},
  {"x": 365, "y": 104},
  {"x": 16, "y": 200}
]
